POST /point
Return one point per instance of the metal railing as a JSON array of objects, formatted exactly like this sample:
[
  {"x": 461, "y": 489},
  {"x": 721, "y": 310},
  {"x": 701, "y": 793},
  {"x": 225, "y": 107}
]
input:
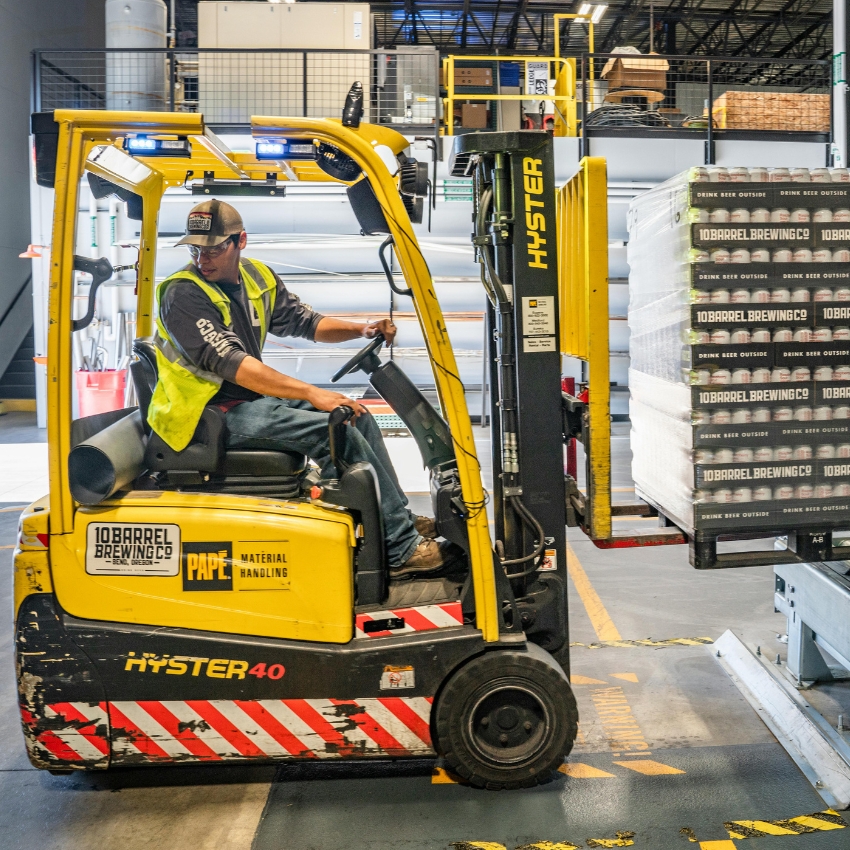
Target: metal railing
[
  {"x": 534, "y": 75},
  {"x": 633, "y": 95},
  {"x": 228, "y": 86}
]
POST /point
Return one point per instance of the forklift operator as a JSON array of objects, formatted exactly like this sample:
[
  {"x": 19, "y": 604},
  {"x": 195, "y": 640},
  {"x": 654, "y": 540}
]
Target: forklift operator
[{"x": 214, "y": 315}]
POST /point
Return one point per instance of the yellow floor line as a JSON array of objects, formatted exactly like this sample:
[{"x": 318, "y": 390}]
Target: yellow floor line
[
  {"x": 602, "y": 623},
  {"x": 577, "y": 770},
  {"x": 718, "y": 845},
  {"x": 8, "y": 547},
  {"x": 575, "y": 679},
  {"x": 440, "y": 776},
  {"x": 16, "y": 509},
  {"x": 648, "y": 767}
]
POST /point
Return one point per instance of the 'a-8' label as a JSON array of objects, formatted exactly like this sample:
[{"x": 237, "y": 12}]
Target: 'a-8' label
[{"x": 132, "y": 549}]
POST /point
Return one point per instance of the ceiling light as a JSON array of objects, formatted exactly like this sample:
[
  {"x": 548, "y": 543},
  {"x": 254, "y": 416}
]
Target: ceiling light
[
  {"x": 585, "y": 8},
  {"x": 598, "y": 12}
]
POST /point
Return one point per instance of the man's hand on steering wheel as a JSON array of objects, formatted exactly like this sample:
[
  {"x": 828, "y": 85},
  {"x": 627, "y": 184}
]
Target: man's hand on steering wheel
[
  {"x": 328, "y": 400},
  {"x": 383, "y": 326}
]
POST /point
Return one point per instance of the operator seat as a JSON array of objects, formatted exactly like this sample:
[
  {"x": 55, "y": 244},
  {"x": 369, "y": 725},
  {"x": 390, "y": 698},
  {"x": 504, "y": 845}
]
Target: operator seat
[{"x": 206, "y": 463}]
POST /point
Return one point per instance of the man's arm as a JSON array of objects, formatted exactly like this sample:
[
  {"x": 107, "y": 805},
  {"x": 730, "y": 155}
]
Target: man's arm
[
  {"x": 337, "y": 330},
  {"x": 255, "y": 375}
]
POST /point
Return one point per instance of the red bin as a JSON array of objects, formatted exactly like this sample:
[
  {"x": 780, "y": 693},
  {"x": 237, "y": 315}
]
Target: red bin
[{"x": 100, "y": 392}]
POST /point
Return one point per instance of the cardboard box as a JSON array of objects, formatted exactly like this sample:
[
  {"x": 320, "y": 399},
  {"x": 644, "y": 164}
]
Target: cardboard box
[
  {"x": 751, "y": 110},
  {"x": 479, "y": 77},
  {"x": 633, "y": 71},
  {"x": 474, "y": 116}
]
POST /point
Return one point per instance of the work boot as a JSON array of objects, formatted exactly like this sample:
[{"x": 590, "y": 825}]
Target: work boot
[
  {"x": 428, "y": 557},
  {"x": 426, "y": 526}
]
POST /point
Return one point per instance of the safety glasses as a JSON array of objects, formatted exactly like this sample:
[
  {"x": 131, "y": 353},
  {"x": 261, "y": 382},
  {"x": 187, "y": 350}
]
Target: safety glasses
[{"x": 212, "y": 252}]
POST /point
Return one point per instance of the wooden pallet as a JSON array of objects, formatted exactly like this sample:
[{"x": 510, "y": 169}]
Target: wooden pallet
[{"x": 748, "y": 110}]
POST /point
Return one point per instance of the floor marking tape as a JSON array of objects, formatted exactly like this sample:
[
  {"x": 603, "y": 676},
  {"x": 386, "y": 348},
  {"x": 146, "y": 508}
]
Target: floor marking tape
[
  {"x": 626, "y": 677},
  {"x": 585, "y": 680},
  {"x": 602, "y": 623},
  {"x": 17, "y": 508},
  {"x": 577, "y": 770},
  {"x": 623, "y": 839},
  {"x": 817, "y": 822},
  {"x": 441, "y": 776},
  {"x": 649, "y": 767},
  {"x": 626, "y": 644},
  {"x": 8, "y": 547}
]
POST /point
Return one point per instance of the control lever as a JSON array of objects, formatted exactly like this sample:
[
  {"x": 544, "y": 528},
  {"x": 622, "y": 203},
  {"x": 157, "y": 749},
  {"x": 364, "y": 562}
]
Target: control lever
[
  {"x": 100, "y": 270},
  {"x": 337, "y": 436}
]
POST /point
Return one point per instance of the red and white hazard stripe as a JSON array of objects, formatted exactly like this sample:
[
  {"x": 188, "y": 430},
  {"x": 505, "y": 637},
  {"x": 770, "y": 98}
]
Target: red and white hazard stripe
[
  {"x": 82, "y": 740},
  {"x": 421, "y": 619},
  {"x": 215, "y": 730}
]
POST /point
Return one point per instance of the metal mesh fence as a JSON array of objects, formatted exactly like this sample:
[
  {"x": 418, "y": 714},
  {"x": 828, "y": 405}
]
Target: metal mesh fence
[
  {"x": 229, "y": 86},
  {"x": 677, "y": 93}
]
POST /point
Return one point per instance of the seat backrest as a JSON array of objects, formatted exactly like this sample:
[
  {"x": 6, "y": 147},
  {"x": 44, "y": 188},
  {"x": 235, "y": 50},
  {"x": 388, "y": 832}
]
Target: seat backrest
[{"x": 144, "y": 373}]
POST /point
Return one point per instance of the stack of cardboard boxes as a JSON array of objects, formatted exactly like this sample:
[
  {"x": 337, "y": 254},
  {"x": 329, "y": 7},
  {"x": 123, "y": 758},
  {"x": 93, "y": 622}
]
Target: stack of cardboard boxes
[{"x": 473, "y": 115}]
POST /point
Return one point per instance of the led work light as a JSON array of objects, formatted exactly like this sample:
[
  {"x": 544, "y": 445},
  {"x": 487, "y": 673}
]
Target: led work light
[
  {"x": 144, "y": 146},
  {"x": 285, "y": 149}
]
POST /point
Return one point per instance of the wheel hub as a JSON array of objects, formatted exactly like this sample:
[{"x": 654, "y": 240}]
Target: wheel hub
[{"x": 509, "y": 724}]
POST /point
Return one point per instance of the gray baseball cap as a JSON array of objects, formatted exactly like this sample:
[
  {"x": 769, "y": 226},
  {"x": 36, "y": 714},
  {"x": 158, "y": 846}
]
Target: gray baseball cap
[{"x": 210, "y": 223}]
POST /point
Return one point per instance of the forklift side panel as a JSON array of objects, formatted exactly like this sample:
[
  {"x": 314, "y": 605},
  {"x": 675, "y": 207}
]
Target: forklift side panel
[
  {"x": 61, "y": 699},
  {"x": 143, "y": 696},
  {"x": 158, "y": 560}
]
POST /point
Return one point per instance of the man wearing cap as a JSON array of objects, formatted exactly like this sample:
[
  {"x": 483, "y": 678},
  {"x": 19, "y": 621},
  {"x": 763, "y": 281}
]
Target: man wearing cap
[{"x": 214, "y": 315}]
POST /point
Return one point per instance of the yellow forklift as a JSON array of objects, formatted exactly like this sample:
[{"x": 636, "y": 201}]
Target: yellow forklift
[{"x": 213, "y": 605}]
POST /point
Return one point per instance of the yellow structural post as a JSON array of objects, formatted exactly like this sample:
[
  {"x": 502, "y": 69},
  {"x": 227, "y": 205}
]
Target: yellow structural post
[
  {"x": 583, "y": 296},
  {"x": 590, "y": 45}
]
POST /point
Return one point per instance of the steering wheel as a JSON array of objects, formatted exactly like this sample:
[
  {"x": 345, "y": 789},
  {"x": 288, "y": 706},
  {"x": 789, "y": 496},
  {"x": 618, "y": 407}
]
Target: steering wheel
[{"x": 360, "y": 360}]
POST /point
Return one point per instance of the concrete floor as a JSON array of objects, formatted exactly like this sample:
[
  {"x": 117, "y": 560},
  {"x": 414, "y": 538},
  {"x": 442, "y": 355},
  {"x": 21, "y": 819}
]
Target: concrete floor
[{"x": 705, "y": 757}]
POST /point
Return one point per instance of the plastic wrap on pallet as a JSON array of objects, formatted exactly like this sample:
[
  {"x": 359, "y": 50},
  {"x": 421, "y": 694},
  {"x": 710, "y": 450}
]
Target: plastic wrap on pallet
[
  {"x": 739, "y": 321},
  {"x": 659, "y": 280},
  {"x": 661, "y": 439}
]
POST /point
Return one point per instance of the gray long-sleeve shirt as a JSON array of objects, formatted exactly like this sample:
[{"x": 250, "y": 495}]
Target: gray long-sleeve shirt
[{"x": 195, "y": 326}]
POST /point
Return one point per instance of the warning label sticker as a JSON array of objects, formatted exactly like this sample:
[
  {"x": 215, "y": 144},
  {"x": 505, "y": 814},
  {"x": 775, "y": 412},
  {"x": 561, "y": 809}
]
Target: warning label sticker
[
  {"x": 397, "y": 677},
  {"x": 550, "y": 561},
  {"x": 132, "y": 549},
  {"x": 538, "y": 316}
]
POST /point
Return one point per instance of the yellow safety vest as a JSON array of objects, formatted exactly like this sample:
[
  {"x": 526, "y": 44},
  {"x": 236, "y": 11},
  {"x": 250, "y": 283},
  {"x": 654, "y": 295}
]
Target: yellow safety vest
[{"x": 182, "y": 389}]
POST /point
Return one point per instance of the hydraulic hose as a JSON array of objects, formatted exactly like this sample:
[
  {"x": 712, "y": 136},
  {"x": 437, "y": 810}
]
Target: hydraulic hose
[{"x": 499, "y": 298}]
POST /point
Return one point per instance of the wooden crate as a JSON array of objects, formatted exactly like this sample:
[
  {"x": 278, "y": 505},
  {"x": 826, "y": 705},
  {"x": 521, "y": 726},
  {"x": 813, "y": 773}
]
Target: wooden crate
[{"x": 790, "y": 111}]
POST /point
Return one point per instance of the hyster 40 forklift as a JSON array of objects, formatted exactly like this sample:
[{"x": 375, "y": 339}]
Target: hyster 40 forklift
[{"x": 215, "y": 605}]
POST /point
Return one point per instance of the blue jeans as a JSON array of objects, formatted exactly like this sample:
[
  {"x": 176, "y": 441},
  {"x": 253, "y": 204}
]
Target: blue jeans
[{"x": 280, "y": 424}]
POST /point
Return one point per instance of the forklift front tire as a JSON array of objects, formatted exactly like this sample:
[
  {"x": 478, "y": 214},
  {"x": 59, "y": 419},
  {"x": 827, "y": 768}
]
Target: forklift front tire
[{"x": 507, "y": 719}]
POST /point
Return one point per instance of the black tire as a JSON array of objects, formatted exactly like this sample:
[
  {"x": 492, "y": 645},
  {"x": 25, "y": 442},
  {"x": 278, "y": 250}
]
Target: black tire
[{"x": 507, "y": 719}]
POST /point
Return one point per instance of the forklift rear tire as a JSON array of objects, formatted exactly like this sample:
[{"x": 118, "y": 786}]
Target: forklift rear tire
[{"x": 507, "y": 719}]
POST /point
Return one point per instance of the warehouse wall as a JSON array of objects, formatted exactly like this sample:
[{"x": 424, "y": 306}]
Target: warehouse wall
[{"x": 23, "y": 27}]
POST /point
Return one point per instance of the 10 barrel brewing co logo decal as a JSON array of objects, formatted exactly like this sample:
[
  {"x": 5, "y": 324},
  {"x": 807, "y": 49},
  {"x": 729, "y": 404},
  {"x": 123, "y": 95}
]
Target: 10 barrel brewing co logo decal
[{"x": 132, "y": 549}]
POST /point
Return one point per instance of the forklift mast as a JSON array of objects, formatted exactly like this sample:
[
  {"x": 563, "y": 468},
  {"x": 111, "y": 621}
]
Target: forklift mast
[{"x": 515, "y": 238}]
